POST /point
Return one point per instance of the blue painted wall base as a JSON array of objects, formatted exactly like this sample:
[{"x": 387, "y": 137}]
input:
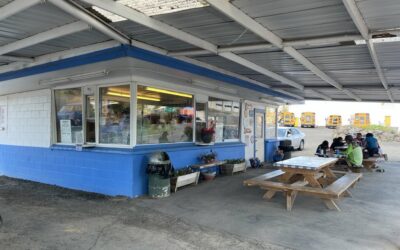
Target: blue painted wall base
[{"x": 101, "y": 170}]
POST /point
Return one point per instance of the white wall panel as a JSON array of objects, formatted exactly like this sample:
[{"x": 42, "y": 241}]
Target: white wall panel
[{"x": 28, "y": 119}]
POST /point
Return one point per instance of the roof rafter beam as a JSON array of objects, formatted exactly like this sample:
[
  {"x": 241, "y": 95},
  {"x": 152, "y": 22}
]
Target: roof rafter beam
[
  {"x": 246, "y": 21},
  {"x": 44, "y": 36},
  {"x": 261, "y": 46},
  {"x": 151, "y": 23},
  {"x": 16, "y": 59},
  {"x": 223, "y": 71},
  {"x": 319, "y": 94},
  {"x": 362, "y": 27},
  {"x": 16, "y": 6},
  {"x": 137, "y": 17},
  {"x": 85, "y": 16}
]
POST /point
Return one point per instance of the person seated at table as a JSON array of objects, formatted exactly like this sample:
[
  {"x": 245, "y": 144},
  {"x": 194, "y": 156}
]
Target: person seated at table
[
  {"x": 371, "y": 144},
  {"x": 360, "y": 140},
  {"x": 323, "y": 148},
  {"x": 337, "y": 142},
  {"x": 353, "y": 153}
]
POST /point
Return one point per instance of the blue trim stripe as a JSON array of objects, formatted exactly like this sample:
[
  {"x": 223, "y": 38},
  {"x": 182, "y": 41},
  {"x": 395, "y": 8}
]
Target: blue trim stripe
[
  {"x": 145, "y": 55},
  {"x": 93, "y": 57}
]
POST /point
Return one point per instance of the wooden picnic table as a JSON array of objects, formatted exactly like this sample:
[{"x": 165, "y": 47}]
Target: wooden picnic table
[{"x": 307, "y": 175}]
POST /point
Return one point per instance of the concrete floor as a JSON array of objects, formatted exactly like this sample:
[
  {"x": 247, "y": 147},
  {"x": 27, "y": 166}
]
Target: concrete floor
[{"x": 221, "y": 214}]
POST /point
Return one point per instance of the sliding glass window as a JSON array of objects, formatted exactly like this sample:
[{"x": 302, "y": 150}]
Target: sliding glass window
[
  {"x": 68, "y": 107},
  {"x": 226, "y": 117},
  {"x": 115, "y": 115},
  {"x": 163, "y": 116}
]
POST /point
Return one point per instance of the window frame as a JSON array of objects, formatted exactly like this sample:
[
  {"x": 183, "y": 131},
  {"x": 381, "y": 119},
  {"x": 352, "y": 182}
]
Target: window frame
[
  {"x": 130, "y": 145},
  {"x": 97, "y": 87},
  {"x": 240, "y": 116},
  {"x": 54, "y": 117},
  {"x": 170, "y": 89},
  {"x": 133, "y": 111}
]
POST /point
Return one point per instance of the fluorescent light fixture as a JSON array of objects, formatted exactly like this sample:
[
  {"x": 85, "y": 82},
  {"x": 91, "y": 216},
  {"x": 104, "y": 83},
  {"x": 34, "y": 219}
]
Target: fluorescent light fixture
[
  {"x": 71, "y": 78},
  {"x": 379, "y": 40},
  {"x": 109, "y": 15},
  {"x": 168, "y": 92},
  {"x": 158, "y": 7},
  {"x": 118, "y": 94},
  {"x": 148, "y": 98}
]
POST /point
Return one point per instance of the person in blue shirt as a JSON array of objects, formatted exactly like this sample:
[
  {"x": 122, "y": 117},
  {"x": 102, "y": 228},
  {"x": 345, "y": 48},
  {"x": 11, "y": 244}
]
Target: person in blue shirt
[{"x": 371, "y": 144}]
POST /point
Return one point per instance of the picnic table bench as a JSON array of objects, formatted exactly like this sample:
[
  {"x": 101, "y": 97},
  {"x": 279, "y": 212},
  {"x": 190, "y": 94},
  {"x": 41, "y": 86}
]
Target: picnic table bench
[{"x": 306, "y": 175}]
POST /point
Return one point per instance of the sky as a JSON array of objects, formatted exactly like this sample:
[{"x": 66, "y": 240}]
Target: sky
[{"x": 323, "y": 109}]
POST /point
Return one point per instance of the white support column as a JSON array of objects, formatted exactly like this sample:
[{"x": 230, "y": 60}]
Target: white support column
[
  {"x": 362, "y": 27},
  {"x": 246, "y": 21},
  {"x": 44, "y": 36},
  {"x": 16, "y": 6}
]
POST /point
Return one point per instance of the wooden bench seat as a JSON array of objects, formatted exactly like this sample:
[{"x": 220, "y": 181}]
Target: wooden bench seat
[
  {"x": 370, "y": 163},
  {"x": 333, "y": 191},
  {"x": 343, "y": 183},
  {"x": 254, "y": 181}
]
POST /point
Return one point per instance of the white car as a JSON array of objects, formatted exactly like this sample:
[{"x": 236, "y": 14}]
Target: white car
[{"x": 293, "y": 134}]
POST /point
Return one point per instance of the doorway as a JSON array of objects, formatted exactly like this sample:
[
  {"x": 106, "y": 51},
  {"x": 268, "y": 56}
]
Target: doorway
[{"x": 259, "y": 134}]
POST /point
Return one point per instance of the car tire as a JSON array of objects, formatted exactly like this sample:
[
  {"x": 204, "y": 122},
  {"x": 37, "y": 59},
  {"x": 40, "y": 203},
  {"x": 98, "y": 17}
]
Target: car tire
[{"x": 301, "y": 146}]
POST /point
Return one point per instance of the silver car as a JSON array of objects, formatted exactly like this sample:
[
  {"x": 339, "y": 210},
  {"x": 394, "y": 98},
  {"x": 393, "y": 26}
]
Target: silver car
[{"x": 293, "y": 134}]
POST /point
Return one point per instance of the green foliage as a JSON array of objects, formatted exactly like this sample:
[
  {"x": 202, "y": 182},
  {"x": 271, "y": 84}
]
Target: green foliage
[
  {"x": 183, "y": 171},
  {"x": 378, "y": 128},
  {"x": 235, "y": 161}
]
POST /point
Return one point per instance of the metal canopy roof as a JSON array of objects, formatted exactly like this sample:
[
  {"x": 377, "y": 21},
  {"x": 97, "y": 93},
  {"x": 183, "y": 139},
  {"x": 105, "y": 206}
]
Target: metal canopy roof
[{"x": 306, "y": 48}]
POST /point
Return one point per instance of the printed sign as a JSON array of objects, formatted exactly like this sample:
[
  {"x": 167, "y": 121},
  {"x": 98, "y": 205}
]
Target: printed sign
[{"x": 66, "y": 131}]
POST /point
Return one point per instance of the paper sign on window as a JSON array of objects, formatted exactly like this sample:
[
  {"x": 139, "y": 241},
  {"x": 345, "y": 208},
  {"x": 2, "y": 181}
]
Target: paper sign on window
[{"x": 66, "y": 131}]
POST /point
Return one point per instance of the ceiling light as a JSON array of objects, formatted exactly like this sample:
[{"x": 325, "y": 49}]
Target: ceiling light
[
  {"x": 65, "y": 79},
  {"x": 118, "y": 94},
  {"x": 168, "y": 92},
  {"x": 158, "y": 7},
  {"x": 110, "y": 16},
  {"x": 148, "y": 98}
]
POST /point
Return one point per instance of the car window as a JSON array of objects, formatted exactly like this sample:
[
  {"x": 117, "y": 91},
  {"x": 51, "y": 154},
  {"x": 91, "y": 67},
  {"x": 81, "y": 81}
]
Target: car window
[
  {"x": 281, "y": 132},
  {"x": 295, "y": 131}
]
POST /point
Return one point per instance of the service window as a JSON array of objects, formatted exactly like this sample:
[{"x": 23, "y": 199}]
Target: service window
[
  {"x": 163, "y": 116},
  {"x": 226, "y": 117},
  {"x": 115, "y": 115},
  {"x": 68, "y": 107}
]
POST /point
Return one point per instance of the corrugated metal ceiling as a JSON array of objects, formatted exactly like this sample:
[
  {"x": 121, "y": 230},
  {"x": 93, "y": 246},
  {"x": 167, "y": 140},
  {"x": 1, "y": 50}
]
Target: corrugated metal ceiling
[
  {"x": 380, "y": 14},
  {"x": 350, "y": 65},
  {"x": 300, "y": 19}
]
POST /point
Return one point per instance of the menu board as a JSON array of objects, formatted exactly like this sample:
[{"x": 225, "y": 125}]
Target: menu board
[{"x": 66, "y": 131}]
